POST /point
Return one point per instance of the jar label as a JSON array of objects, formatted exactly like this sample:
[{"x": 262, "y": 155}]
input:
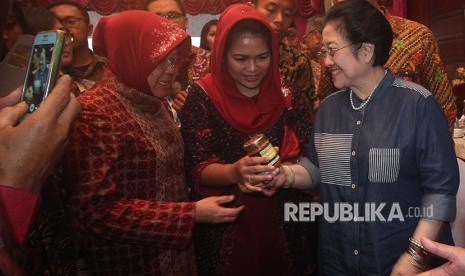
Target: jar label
[
  {"x": 269, "y": 152},
  {"x": 274, "y": 161}
]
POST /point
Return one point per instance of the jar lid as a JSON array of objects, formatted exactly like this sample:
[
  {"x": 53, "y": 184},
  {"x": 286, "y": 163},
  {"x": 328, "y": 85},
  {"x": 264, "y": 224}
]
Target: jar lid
[{"x": 253, "y": 141}]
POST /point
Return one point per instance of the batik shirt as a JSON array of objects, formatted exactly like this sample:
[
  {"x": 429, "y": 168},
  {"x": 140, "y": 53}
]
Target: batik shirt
[
  {"x": 395, "y": 154},
  {"x": 85, "y": 77},
  {"x": 130, "y": 198},
  {"x": 295, "y": 69},
  {"x": 323, "y": 83},
  {"x": 415, "y": 56}
]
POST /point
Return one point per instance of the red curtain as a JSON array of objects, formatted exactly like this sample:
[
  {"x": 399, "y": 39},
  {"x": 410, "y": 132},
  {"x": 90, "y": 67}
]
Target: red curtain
[
  {"x": 305, "y": 7},
  {"x": 195, "y": 7},
  {"x": 106, "y": 7},
  {"x": 398, "y": 8},
  {"x": 35, "y": 3}
]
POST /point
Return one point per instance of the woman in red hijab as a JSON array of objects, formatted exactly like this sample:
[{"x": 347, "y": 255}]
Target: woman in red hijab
[
  {"x": 243, "y": 96},
  {"x": 125, "y": 155}
]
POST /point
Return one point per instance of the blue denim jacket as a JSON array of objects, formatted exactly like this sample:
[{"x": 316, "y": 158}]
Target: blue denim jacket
[{"x": 394, "y": 159}]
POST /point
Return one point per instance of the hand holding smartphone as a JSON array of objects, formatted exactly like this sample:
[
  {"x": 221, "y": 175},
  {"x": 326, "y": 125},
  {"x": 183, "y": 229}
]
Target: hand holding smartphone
[{"x": 42, "y": 71}]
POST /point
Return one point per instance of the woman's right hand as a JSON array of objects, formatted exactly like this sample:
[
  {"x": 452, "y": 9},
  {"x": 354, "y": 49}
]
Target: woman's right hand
[
  {"x": 251, "y": 174},
  {"x": 278, "y": 181},
  {"x": 209, "y": 210}
]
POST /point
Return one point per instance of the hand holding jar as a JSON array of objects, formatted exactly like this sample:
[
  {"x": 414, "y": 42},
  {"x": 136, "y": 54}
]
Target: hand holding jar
[{"x": 263, "y": 160}]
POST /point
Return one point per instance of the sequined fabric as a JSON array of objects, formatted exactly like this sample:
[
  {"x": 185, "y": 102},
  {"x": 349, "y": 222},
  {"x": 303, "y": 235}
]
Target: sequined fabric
[
  {"x": 133, "y": 52},
  {"x": 280, "y": 249},
  {"x": 129, "y": 196},
  {"x": 199, "y": 65}
]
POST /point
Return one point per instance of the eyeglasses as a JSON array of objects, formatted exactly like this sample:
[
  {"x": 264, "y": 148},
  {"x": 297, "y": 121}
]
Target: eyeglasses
[
  {"x": 70, "y": 21},
  {"x": 171, "y": 61},
  {"x": 69, "y": 38},
  {"x": 325, "y": 51},
  {"x": 172, "y": 16}
]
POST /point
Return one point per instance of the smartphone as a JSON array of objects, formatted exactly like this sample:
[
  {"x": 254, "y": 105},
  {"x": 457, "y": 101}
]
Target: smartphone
[{"x": 43, "y": 67}]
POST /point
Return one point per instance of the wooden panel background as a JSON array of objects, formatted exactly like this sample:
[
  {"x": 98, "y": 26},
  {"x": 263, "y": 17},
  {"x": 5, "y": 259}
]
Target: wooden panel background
[{"x": 446, "y": 18}]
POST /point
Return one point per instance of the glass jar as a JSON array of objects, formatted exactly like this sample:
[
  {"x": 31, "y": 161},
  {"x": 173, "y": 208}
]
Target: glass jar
[{"x": 260, "y": 146}]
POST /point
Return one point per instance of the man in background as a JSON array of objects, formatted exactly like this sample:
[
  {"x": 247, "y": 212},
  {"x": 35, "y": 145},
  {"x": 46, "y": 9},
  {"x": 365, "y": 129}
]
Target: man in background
[
  {"x": 293, "y": 65},
  {"x": 86, "y": 68},
  {"x": 313, "y": 40},
  {"x": 295, "y": 68},
  {"x": 197, "y": 63}
]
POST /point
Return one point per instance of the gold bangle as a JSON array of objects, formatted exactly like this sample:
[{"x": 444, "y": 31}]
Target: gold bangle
[{"x": 291, "y": 173}]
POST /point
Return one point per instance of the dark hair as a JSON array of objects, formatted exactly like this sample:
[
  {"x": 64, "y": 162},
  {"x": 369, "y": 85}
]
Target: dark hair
[
  {"x": 360, "y": 22},
  {"x": 204, "y": 33},
  {"x": 178, "y": 3},
  {"x": 38, "y": 19},
  {"x": 248, "y": 26},
  {"x": 18, "y": 18},
  {"x": 78, "y": 6}
]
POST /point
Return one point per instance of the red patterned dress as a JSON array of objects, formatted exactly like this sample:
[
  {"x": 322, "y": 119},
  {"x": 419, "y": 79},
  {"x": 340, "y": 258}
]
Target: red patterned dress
[
  {"x": 210, "y": 139},
  {"x": 125, "y": 155},
  {"x": 216, "y": 121}
]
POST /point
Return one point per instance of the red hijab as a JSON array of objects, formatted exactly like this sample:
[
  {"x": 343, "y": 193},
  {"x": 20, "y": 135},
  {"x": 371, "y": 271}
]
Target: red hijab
[
  {"x": 244, "y": 114},
  {"x": 135, "y": 42}
]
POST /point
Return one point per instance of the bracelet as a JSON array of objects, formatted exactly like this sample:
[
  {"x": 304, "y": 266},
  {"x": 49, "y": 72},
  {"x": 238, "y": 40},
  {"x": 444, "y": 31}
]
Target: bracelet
[
  {"x": 416, "y": 244},
  {"x": 424, "y": 259},
  {"x": 292, "y": 177},
  {"x": 416, "y": 266}
]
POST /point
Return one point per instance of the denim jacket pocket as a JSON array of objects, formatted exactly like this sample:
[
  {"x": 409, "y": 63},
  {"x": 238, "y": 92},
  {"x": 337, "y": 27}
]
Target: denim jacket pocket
[{"x": 384, "y": 165}]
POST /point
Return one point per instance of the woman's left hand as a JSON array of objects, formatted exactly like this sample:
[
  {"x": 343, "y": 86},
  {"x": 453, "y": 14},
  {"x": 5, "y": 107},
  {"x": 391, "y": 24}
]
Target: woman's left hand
[
  {"x": 404, "y": 266},
  {"x": 247, "y": 187},
  {"x": 278, "y": 181},
  {"x": 252, "y": 173},
  {"x": 268, "y": 188}
]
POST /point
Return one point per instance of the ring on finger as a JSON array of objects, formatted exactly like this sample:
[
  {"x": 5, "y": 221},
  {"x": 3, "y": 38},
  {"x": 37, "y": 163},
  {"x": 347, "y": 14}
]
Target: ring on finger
[{"x": 250, "y": 180}]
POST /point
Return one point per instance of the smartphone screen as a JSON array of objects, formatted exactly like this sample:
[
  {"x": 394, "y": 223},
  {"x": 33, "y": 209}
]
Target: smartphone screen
[{"x": 43, "y": 67}]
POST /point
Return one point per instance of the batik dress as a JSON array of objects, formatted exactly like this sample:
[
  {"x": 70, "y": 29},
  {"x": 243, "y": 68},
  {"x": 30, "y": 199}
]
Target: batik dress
[
  {"x": 260, "y": 236},
  {"x": 130, "y": 197}
]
